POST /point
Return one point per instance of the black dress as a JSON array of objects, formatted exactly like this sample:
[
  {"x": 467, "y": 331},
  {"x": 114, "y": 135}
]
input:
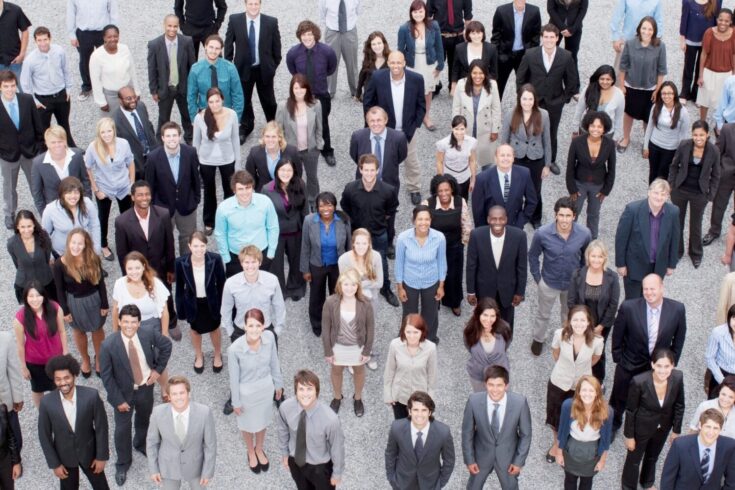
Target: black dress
[{"x": 449, "y": 222}]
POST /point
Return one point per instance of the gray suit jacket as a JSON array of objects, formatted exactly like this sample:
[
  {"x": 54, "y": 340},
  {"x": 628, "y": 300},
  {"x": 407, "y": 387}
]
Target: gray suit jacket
[
  {"x": 159, "y": 64},
  {"x": 45, "y": 181},
  {"x": 11, "y": 381},
  {"x": 531, "y": 146},
  {"x": 195, "y": 457},
  {"x": 404, "y": 472},
  {"x": 313, "y": 126}
]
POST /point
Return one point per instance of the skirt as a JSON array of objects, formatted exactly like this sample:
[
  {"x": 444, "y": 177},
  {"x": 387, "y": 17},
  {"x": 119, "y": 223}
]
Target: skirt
[
  {"x": 205, "y": 321},
  {"x": 40, "y": 382},
  {"x": 638, "y": 103},
  {"x": 347, "y": 355},
  {"x": 257, "y": 405},
  {"x": 426, "y": 71},
  {"x": 85, "y": 312},
  {"x": 151, "y": 323},
  {"x": 709, "y": 93},
  {"x": 555, "y": 396},
  {"x": 580, "y": 458}
]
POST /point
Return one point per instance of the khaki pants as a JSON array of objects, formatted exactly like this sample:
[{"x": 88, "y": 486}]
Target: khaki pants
[
  {"x": 411, "y": 166},
  {"x": 546, "y": 299}
]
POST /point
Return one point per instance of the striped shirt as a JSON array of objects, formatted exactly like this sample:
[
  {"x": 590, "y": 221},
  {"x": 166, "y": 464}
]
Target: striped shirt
[
  {"x": 720, "y": 354},
  {"x": 420, "y": 267}
]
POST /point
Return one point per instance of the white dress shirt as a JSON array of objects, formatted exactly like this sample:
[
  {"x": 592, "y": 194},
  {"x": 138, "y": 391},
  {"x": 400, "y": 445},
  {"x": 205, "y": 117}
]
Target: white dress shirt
[
  {"x": 497, "y": 245},
  {"x": 501, "y": 410},
  {"x": 141, "y": 356},
  {"x": 144, "y": 222},
  {"x": 397, "y": 91},
  {"x": 184, "y": 417},
  {"x": 548, "y": 60},
  {"x": 70, "y": 409},
  {"x": 62, "y": 172},
  {"x": 329, "y": 13},
  {"x": 415, "y": 431}
]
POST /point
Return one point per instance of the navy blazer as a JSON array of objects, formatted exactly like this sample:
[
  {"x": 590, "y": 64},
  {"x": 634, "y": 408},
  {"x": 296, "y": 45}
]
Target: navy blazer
[
  {"x": 186, "y": 293},
  {"x": 682, "y": 469},
  {"x": 184, "y": 193},
  {"x": 522, "y": 198},
  {"x": 237, "y": 47},
  {"x": 45, "y": 181},
  {"x": 378, "y": 92},
  {"x": 395, "y": 150},
  {"x": 27, "y": 140},
  {"x": 434, "y": 49}
]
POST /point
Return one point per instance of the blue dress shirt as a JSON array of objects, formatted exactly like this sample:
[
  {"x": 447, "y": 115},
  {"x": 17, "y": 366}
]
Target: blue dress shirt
[
  {"x": 228, "y": 81},
  {"x": 518, "y": 28},
  {"x": 561, "y": 257},
  {"x": 725, "y": 112},
  {"x": 174, "y": 161},
  {"x": 236, "y": 225},
  {"x": 328, "y": 241},
  {"x": 421, "y": 267},
  {"x": 629, "y": 13},
  {"x": 45, "y": 73}
]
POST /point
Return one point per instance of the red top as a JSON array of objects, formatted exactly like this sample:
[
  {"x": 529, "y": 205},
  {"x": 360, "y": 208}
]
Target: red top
[{"x": 43, "y": 347}]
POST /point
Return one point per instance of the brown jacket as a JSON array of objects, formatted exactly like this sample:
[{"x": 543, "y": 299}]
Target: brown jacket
[{"x": 331, "y": 321}]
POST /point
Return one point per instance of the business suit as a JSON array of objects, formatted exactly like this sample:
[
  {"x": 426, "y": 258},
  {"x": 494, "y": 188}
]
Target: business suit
[
  {"x": 395, "y": 150},
  {"x": 11, "y": 381},
  {"x": 726, "y": 145},
  {"x": 199, "y": 20},
  {"x": 75, "y": 447},
  {"x": 496, "y": 452},
  {"x": 521, "y": 197},
  {"x": 257, "y": 164},
  {"x": 45, "y": 181},
  {"x": 568, "y": 16},
  {"x": 682, "y": 469},
  {"x": 452, "y": 32},
  {"x": 127, "y": 132},
  {"x": 488, "y": 118},
  {"x": 405, "y": 471},
  {"x": 503, "y": 37},
  {"x": 177, "y": 461}
]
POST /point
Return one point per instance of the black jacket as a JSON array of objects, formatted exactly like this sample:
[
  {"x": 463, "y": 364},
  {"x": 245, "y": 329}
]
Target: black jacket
[
  {"x": 45, "y": 181},
  {"x": 257, "y": 164},
  {"x": 607, "y": 304},
  {"x": 558, "y": 85},
  {"x": 159, "y": 66},
  {"x": 461, "y": 68},
  {"x": 580, "y": 167},
  {"x": 237, "y": 48},
  {"x": 644, "y": 415},
  {"x": 288, "y": 221},
  {"x": 186, "y": 293},
  {"x": 10, "y": 437},
  {"x": 369, "y": 210},
  {"x": 395, "y": 150},
  {"x": 565, "y": 16},
  {"x": 504, "y": 29},
  {"x": 709, "y": 178},
  {"x": 24, "y": 141},
  {"x": 182, "y": 196},
  {"x": 158, "y": 248},
  {"x": 128, "y": 133}
]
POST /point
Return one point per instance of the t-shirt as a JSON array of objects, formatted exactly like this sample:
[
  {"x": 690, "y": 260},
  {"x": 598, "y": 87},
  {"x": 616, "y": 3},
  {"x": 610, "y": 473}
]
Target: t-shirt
[
  {"x": 457, "y": 161},
  {"x": 150, "y": 307},
  {"x": 43, "y": 347}
]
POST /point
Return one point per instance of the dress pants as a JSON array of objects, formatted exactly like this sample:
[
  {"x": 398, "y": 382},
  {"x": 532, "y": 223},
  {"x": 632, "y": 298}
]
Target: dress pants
[
  {"x": 507, "y": 313},
  {"x": 6, "y": 473},
  {"x": 198, "y": 34},
  {"x": 588, "y": 192},
  {"x": 555, "y": 109},
  {"x": 9, "y": 172},
  {"x": 574, "y": 482},
  {"x": 619, "y": 395},
  {"x": 98, "y": 481},
  {"x": 88, "y": 41},
  {"x": 321, "y": 278},
  {"x": 449, "y": 43},
  {"x": 647, "y": 449},
  {"x": 209, "y": 175},
  {"x": 326, "y": 102},
  {"x": 722, "y": 198},
  {"x": 266, "y": 95},
  {"x": 507, "y": 481},
  {"x": 535, "y": 167},
  {"x": 103, "y": 210},
  {"x": 311, "y": 162},
  {"x": 546, "y": 299},
  {"x": 400, "y": 411},
  {"x": 165, "y": 107},
  {"x": 453, "y": 283},
  {"x": 690, "y": 77},
  {"x": 634, "y": 287},
  {"x": 659, "y": 161},
  {"x": 345, "y": 45},
  {"x": 505, "y": 67},
  {"x": 411, "y": 168},
  {"x": 380, "y": 245},
  {"x": 697, "y": 202},
  {"x": 311, "y": 476},
  {"x": 168, "y": 484},
  {"x": 56, "y": 105},
  {"x": 185, "y": 225},
  {"x": 289, "y": 245},
  {"x": 572, "y": 44},
  {"x": 141, "y": 406},
  {"x": 429, "y": 308}
]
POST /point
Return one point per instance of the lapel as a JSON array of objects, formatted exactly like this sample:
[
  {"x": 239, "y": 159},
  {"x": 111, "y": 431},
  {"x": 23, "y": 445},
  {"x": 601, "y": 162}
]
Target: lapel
[
  {"x": 643, "y": 319},
  {"x": 188, "y": 271},
  {"x": 663, "y": 320},
  {"x": 125, "y": 360},
  {"x": 695, "y": 459},
  {"x": 5, "y": 116},
  {"x": 406, "y": 435},
  {"x": 515, "y": 187},
  {"x": 59, "y": 409},
  {"x": 208, "y": 269},
  {"x": 310, "y": 121},
  {"x": 143, "y": 337},
  {"x": 180, "y": 53}
]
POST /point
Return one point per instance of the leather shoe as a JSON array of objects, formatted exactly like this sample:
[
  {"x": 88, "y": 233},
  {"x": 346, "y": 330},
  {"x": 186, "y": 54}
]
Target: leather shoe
[
  {"x": 554, "y": 168},
  {"x": 536, "y": 348},
  {"x": 359, "y": 407},
  {"x": 390, "y": 252},
  {"x": 227, "y": 410},
  {"x": 536, "y": 225},
  {"x": 331, "y": 161},
  {"x": 334, "y": 405},
  {"x": 200, "y": 369},
  {"x": 709, "y": 238},
  {"x": 390, "y": 297},
  {"x": 141, "y": 450},
  {"x": 415, "y": 198},
  {"x": 696, "y": 262},
  {"x": 120, "y": 477}
]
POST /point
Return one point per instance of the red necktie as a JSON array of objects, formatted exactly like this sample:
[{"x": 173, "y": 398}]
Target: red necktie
[{"x": 450, "y": 13}]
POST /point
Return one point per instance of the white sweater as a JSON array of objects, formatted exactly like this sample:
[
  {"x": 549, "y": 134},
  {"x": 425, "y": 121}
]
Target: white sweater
[{"x": 111, "y": 72}]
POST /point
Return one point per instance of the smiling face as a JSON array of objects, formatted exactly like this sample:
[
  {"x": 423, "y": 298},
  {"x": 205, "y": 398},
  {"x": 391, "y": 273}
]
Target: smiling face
[
  {"x": 444, "y": 193},
  {"x": 215, "y": 103},
  {"x": 422, "y": 222},
  {"x": 580, "y": 323},
  {"x": 308, "y": 39},
  {"x": 349, "y": 288},
  {"x": 360, "y": 245},
  {"x": 699, "y": 137},
  {"x": 419, "y": 414},
  {"x": 527, "y": 100},
  {"x": 25, "y": 228},
  {"x": 662, "y": 369},
  {"x": 726, "y": 398},
  {"x": 478, "y": 77},
  {"x": 496, "y": 388},
  {"x": 35, "y": 299},
  {"x": 252, "y": 7},
  {"x": 709, "y": 432},
  {"x": 179, "y": 396},
  {"x": 396, "y": 64},
  {"x": 548, "y": 39},
  {"x": 306, "y": 395},
  {"x": 271, "y": 140},
  {"x": 476, "y": 37},
  {"x": 129, "y": 325},
  {"x": 64, "y": 381},
  {"x": 418, "y": 15},
  {"x": 488, "y": 318},
  {"x": 285, "y": 173},
  {"x": 72, "y": 197},
  {"x": 171, "y": 140},
  {"x": 299, "y": 92},
  {"x": 605, "y": 81},
  {"x": 653, "y": 289},
  {"x": 142, "y": 198},
  {"x": 325, "y": 210},
  {"x": 413, "y": 335},
  {"x": 377, "y": 46},
  {"x": 377, "y": 122},
  {"x": 646, "y": 31},
  {"x": 459, "y": 131},
  {"x": 587, "y": 393},
  {"x": 497, "y": 219},
  {"x": 244, "y": 193},
  {"x": 107, "y": 134},
  {"x": 564, "y": 220},
  {"x": 250, "y": 266},
  {"x": 596, "y": 259},
  {"x": 197, "y": 248},
  {"x": 596, "y": 129},
  {"x": 76, "y": 244},
  {"x": 171, "y": 27},
  {"x": 657, "y": 198},
  {"x": 253, "y": 329},
  {"x": 212, "y": 50},
  {"x": 110, "y": 39},
  {"x": 134, "y": 269},
  {"x": 724, "y": 21},
  {"x": 369, "y": 173},
  {"x": 43, "y": 42}
]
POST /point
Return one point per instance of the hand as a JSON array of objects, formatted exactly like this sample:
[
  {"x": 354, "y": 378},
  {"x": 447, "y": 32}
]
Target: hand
[
  {"x": 726, "y": 259},
  {"x": 472, "y": 185},
  {"x": 18, "y": 59},
  {"x": 329, "y": 359},
  {"x": 473, "y": 468},
  {"x": 25, "y": 372},
  {"x": 600, "y": 197},
  {"x": 623, "y": 89},
  {"x": 204, "y": 482},
  {"x": 402, "y": 297},
  {"x": 237, "y": 410},
  {"x": 99, "y": 194},
  {"x": 573, "y": 196},
  {"x": 155, "y": 98},
  {"x": 575, "y": 134},
  {"x": 673, "y": 436},
  {"x": 669, "y": 271},
  {"x": 279, "y": 393},
  {"x": 334, "y": 480},
  {"x": 560, "y": 458},
  {"x": 517, "y": 299},
  {"x": 439, "y": 293},
  {"x": 97, "y": 466},
  {"x": 630, "y": 444},
  {"x": 68, "y": 318},
  {"x": 566, "y": 33},
  {"x": 700, "y": 82},
  {"x": 622, "y": 271},
  {"x": 123, "y": 407},
  {"x": 61, "y": 472},
  {"x": 284, "y": 461},
  {"x": 18, "y": 406},
  {"x": 75, "y": 43},
  {"x": 156, "y": 478},
  {"x": 17, "y": 471},
  {"x": 40, "y": 106},
  {"x": 600, "y": 465},
  {"x": 153, "y": 377},
  {"x": 105, "y": 108},
  {"x": 599, "y": 329},
  {"x": 104, "y": 311},
  {"x": 170, "y": 277},
  {"x": 645, "y": 153},
  {"x": 364, "y": 359},
  {"x": 618, "y": 45},
  {"x": 307, "y": 277},
  {"x": 472, "y": 299},
  {"x": 493, "y": 136},
  {"x": 545, "y": 172},
  {"x": 514, "y": 470},
  {"x": 682, "y": 44}
]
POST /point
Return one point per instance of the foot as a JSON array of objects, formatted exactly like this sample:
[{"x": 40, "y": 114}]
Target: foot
[
  {"x": 536, "y": 225},
  {"x": 317, "y": 331},
  {"x": 86, "y": 369},
  {"x": 262, "y": 460},
  {"x": 554, "y": 168},
  {"x": 696, "y": 262},
  {"x": 107, "y": 254},
  {"x": 296, "y": 297},
  {"x": 622, "y": 147},
  {"x": 372, "y": 364},
  {"x": 331, "y": 161},
  {"x": 253, "y": 463},
  {"x": 415, "y": 198},
  {"x": 217, "y": 365},
  {"x": 536, "y": 348},
  {"x": 359, "y": 407},
  {"x": 390, "y": 297},
  {"x": 430, "y": 126},
  {"x": 199, "y": 365},
  {"x": 227, "y": 410},
  {"x": 457, "y": 311},
  {"x": 709, "y": 238},
  {"x": 9, "y": 223},
  {"x": 334, "y": 405},
  {"x": 84, "y": 95},
  {"x": 141, "y": 450},
  {"x": 175, "y": 333},
  {"x": 120, "y": 477},
  {"x": 208, "y": 230},
  {"x": 390, "y": 252}
]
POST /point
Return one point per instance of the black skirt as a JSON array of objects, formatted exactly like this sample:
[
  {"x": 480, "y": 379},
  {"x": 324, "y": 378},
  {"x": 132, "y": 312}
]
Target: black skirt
[
  {"x": 40, "y": 382},
  {"x": 638, "y": 103},
  {"x": 555, "y": 396},
  {"x": 205, "y": 321}
]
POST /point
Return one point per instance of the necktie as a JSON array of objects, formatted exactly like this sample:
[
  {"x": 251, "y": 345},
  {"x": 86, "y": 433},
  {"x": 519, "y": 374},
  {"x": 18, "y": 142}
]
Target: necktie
[
  {"x": 653, "y": 330},
  {"x": 14, "y": 114},
  {"x": 300, "y": 454},
  {"x": 135, "y": 364},
  {"x": 179, "y": 427},
  {"x": 418, "y": 448},
  {"x": 173, "y": 67},
  {"x": 251, "y": 43},
  {"x": 213, "y": 75},
  {"x": 310, "y": 68},
  {"x": 379, "y": 155},
  {"x": 495, "y": 421},
  {"x": 140, "y": 132},
  {"x": 450, "y": 13},
  {"x": 342, "y": 16},
  {"x": 506, "y": 188},
  {"x": 704, "y": 465}
]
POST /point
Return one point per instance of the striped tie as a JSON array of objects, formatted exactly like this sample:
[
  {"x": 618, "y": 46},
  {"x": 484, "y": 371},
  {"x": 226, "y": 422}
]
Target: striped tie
[
  {"x": 704, "y": 466},
  {"x": 506, "y": 188}
]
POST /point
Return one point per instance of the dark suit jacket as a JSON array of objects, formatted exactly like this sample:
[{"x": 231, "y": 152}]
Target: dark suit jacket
[
  {"x": 158, "y": 248},
  {"x": 127, "y": 132},
  {"x": 682, "y": 469},
  {"x": 644, "y": 415},
  {"x": 291, "y": 220},
  {"x": 607, "y": 305},
  {"x": 45, "y": 181},
  {"x": 183, "y": 196},
  {"x": 630, "y": 332},
  {"x": 504, "y": 29},
  {"x": 395, "y": 149},
  {"x": 726, "y": 144},
  {"x": 709, "y": 178},
  {"x": 159, "y": 65},
  {"x": 437, "y": 461},
  {"x": 565, "y": 16},
  {"x": 73, "y": 446},
  {"x": 27, "y": 140},
  {"x": 461, "y": 68},
  {"x": 237, "y": 48},
  {"x": 484, "y": 279},
  {"x": 378, "y": 92},
  {"x": 555, "y": 87},
  {"x": 522, "y": 198},
  {"x": 186, "y": 293},
  {"x": 257, "y": 164}
]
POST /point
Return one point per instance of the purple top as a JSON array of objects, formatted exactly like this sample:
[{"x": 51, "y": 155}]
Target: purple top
[
  {"x": 43, "y": 347},
  {"x": 693, "y": 22},
  {"x": 323, "y": 62},
  {"x": 655, "y": 227}
]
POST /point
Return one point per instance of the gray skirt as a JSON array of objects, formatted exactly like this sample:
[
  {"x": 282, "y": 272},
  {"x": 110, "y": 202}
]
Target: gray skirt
[
  {"x": 580, "y": 458},
  {"x": 85, "y": 312},
  {"x": 151, "y": 324}
]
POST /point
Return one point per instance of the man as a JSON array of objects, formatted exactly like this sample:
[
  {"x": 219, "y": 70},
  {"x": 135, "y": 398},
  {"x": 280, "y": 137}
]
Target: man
[
  {"x": 13, "y": 46},
  {"x": 497, "y": 266},
  {"x": 372, "y": 204},
  {"x": 199, "y": 20},
  {"x": 85, "y": 20},
  {"x": 647, "y": 238},
  {"x": 625, "y": 19},
  {"x": 182, "y": 440},
  {"x": 170, "y": 57},
  {"x": 643, "y": 325},
  {"x": 725, "y": 112},
  {"x": 46, "y": 76},
  {"x": 11, "y": 382},
  {"x": 507, "y": 185},
  {"x": 22, "y": 133},
  {"x": 134, "y": 126},
  {"x": 173, "y": 174},
  {"x": 496, "y": 432},
  {"x": 726, "y": 144},
  {"x": 72, "y": 427},
  {"x": 400, "y": 94},
  {"x": 310, "y": 437},
  {"x": 253, "y": 43},
  {"x": 340, "y": 19},
  {"x": 131, "y": 361},
  {"x": 562, "y": 245},
  {"x": 247, "y": 218},
  {"x": 553, "y": 73},
  {"x": 452, "y": 16},
  {"x": 516, "y": 28}
]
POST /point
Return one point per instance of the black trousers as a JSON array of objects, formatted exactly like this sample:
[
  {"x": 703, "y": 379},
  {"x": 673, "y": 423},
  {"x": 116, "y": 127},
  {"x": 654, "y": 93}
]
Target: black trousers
[
  {"x": 198, "y": 34},
  {"x": 103, "y": 209},
  {"x": 535, "y": 167},
  {"x": 453, "y": 283},
  {"x": 400, "y": 411},
  {"x": 141, "y": 408},
  {"x": 88, "y": 41},
  {"x": 690, "y": 77},
  {"x": 722, "y": 198},
  {"x": 209, "y": 174},
  {"x": 505, "y": 67},
  {"x": 507, "y": 313},
  {"x": 697, "y": 202},
  {"x": 619, "y": 395},
  {"x": 571, "y": 44},
  {"x": 380, "y": 245},
  {"x": 321, "y": 278},
  {"x": 233, "y": 266},
  {"x": 574, "y": 482},
  {"x": 289, "y": 246},
  {"x": 326, "y": 102},
  {"x": 98, "y": 481},
  {"x": 647, "y": 449},
  {"x": 429, "y": 307},
  {"x": 555, "y": 109},
  {"x": 6, "y": 473},
  {"x": 659, "y": 161},
  {"x": 57, "y": 106},
  {"x": 266, "y": 95},
  {"x": 449, "y": 44},
  {"x": 311, "y": 476},
  {"x": 165, "y": 107}
]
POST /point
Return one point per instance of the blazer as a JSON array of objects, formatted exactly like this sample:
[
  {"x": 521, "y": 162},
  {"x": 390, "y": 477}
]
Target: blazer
[
  {"x": 565, "y": 424},
  {"x": 186, "y": 293},
  {"x": 565, "y": 16},
  {"x": 159, "y": 65},
  {"x": 682, "y": 469},
  {"x": 504, "y": 29},
  {"x": 257, "y": 164},
  {"x": 405, "y": 471},
  {"x": 395, "y": 150},
  {"x": 182, "y": 194},
  {"x": 632, "y": 240},
  {"x": 630, "y": 333},
  {"x": 332, "y": 319},
  {"x": 533, "y": 146},
  {"x": 522, "y": 198},
  {"x": 27, "y": 140},
  {"x": 73, "y": 446},
  {"x": 128, "y": 133},
  {"x": 434, "y": 49},
  {"x": 489, "y": 58},
  {"x": 192, "y": 459},
  {"x": 45, "y": 181},
  {"x": 11, "y": 381},
  {"x": 580, "y": 166},
  {"x": 11, "y": 438},
  {"x": 314, "y": 138},
  {"x": 484, "y": 279},
  {"x": 488, "y": 117},
  {"x": 378, "y": 92},
  {"x": 237, "y": 46},
  {"x": 555, "y": 87},
  {"x": 644, "y": 415},
  {"x": 607, "y": 304},
  {"x": 311, "y": 240},
  {"x": 726, "y": 145},
  {"x": 709, "y": 178},
  {"x": 290, "y": 221},
  {"x": 158, "y": 248}
]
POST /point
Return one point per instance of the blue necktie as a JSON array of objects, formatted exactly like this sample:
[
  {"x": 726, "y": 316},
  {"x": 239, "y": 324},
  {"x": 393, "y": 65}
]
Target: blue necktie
[
  {"x": 14, "y": 114},
  {"x": 140, "y": 132},
  {"x": 251, "y": 43},
  {"x": 342, "y": 16},
  {"x": 379, "y": 156}
]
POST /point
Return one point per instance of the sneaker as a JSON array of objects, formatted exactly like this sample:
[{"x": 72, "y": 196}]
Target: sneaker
[{"x": 84, "y": 95}]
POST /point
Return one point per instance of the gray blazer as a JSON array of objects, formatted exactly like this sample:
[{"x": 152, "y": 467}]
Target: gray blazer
[
  {"x": 313, "y": 126},
  {"x": 11, "y": 381},
  {"x": 311, "y": 240},
  {"x": 45, "y": 181},
  {"x": 332, "y": 321},
  {"x": 532, "y": 147},
  {"x": 173, "y": 460}
]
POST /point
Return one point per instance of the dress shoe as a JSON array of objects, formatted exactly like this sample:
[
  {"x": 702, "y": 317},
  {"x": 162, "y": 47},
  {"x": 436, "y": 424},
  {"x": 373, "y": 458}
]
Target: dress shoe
[
  {"x": 296, "y": 297},
  {"x": 108, "y": 258},
  {"x": 9, "y": 223},
  {"x": 200, "y": 369},
  {"x": 390, "y": 297},
  {"x": 554, "y": 168},
  {"x": 536, "y": 225},
  {"x": 390, "y": 252},
  {"x": 120, "y": 477},
  {"x": 359, "y": 407},
  {"x": 696, "y": 262},
  {"x": 227, "y": 410},
  {"x": 175, "y": 333},
  {"x": 317, "y": 331},
  {"x": 536, "y": 348},
  {"x": 141, "y": 450},
  {"x": 437, "y": 89},
  {"x": 217, "y": 369},
  {"x": 208, "y": 230},
  {"x": 709, "y": 238},
  {"x": 334, "y": 405},
  {"x": 457, "y": 311},
  {"x": 331, "y": 161},
  {"x": 87, "y": 374},
  {"x": 263, "y": 466},
  {"x": 255, "y": 469},
  {"x": 415, "y": 198}
]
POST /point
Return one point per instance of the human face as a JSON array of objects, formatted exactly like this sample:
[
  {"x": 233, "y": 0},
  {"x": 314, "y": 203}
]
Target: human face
[
  {"x": 657, "y": 198},
  {"x": 396, "y": 64},
  {"x": 369, "y": 173},
  {"x": 504, "y": 157},
  {"x": 579, "y": 323},
  {"x": 478, "y": 77},
  {"x": 43, "y": 42},
  {"x": 64, "y": 381},
  {"x": 422, "y": 222},
  {"x": 419, "y": 414},
  {"x": 459, "y": 131},
  {"x": 285, "y": 173},
  {"x": 360, "y": 245},
  {"x": 215, "y": 103},
  {"x": 171, "y": 27},
  {"x": 326, "y": 210},
  {"x": 709, "y": 432},
  {"x": 587, "y": 393},
  {"x": 212, "y": 50},
  {"x": 128, "y": 99},
  {"x": 662, "y": 369},
  {"x": 76, "y": 244},
  {"x": 548, "y": 39},
  {"x": 110, "y": 39},
  {"x": 308, "y": 39},
  {"x": 413, "y": 335},
  {"x": 270, "y": 140},
  {"x": 57, "y": 147},
  {"x": 252, "y": 7},
  {"x": 299, "y": 92},
  {"x": 496, "y": 388},
  {"x": 653, "y": 290},
  {"x": 26, "y": 228},
  {"x": 129, "y": 325},
  {"x": 179, "y": 396},
  {"x": 35, "y": 299},
  {"x": 72, "y": 197},
  {"x": 377, "y": 122},
  {"x": 418, "y": 15},
  {"x": 487, "y": 319},
  {"x": 444, "y": 192},
  {"x": 724, "y": 21},
  {"x": 8, "y": 89},
  {"x": 605, "y": 81},
  {"x": 597, "y": 259},
  {"x": 527, "y": 100},
  {"x": 134, "y": 270},
  {"x": 349, "y": 288},
  {"x": 197, "y": 248},
  {"x": 596, "y": 129},
  {"x": 667, "y": 95},
  {"x": 699, "y": 136},
  {"x": 476, "y": 37},
  {"x": 244, "y": 193},
  {"x": 377, "y": 46},
  {"x": 171, "y": 140},
  {"x": 253, "y": 329},
  {"x": 107, "y": 134},
  {"x": 564, "y": 219},
  {"x": 250, "y": 266},
  {"x": 142, "y": 198},
  {"x": 306, "y": 395},
  {"x": 646, "y": 32},
  {"x": 497, "y": 220},
  {"x": 726, "y": 398}
]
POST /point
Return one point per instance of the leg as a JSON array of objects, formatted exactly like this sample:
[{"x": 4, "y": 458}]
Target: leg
[
  {"x": 359, "y": 380},
  {"x": 563, "y": 308},
  {"x": 86, "y": 47},
  {"x": 546, "y": 298},
  {"x": 430, "y": 311},
  {"x": 680, "y": 200},
  {"x": 555, "y": 111},
  {"x": 98, "y": 481},
  {"x": 208, "y": 173},
  {"x": 123, "y": 438},
  {"x": 233, "y": 266},
  {"x": 696, "y": 213},
  {"x": 80, "y": 339},
  {"x": 380, "y": 245},
  {"x": 295, "y": 281},
  {"x": 585, "y": 482},
  {"x": 169, "y": 484},
  {"x": 627, "y": 126},
  {"x": 619, "y": 395},
  {"x": 311, "y": 160},
  {"x": 299, "y": 475},
  {"x": 504, "y": 70},
  {"x": 411, "y": 168},
  {"x": 572, "y": 44},
  {"x": 185, "y": 225},
  {"x": 593, "y": 209},
  {"x": 453, "y": 285},
  {"x": 185, "y": 117},
  {"x": 249, "y": 439},
  {"x": 667, "y": 156},
  {"x": 507, "y": 481},
  {"x": 653, "y": 450},
  {"x": 103, "y": 210},
  {"x": 349, "y": 53},
  {"x": 631, "y": 468},
  {"x": 143, "y": 401},
  {"x": 225, "y": 175},
  {"x": 722, "y": 198},
  {"x": 62, "y": 109},
  {"x": 247, "y": 123},
  {"x": 276, "y": 266},
  {"x": 71, "y": 482},
  {"x": 326, "y": 102},
  {"x": 316, "y": 297},
  {"x": 427, "y": 116},
  {"x": 633, "y": 288},
  {"x": 196, "y": 343},
  {"x": 334, "y": 40},
  {"x": 216, "y": 338},
  {"x": 477, "y": 482},
  {"x": 98, "y": 336},
  {"x": 690, "y": 75},
  {"x": 412, "y": 303},
  {"x": 266, "y": 95},
  {"x": 337, "y": 376},
  {"x": 654, "y": 161},
  {"x": 400, "y": 411},
  {"x": 332, "y": 276},
  {"x": 570, "y": 481},
  {"x": 9, "y": 172},
  {"x": 165, "y": 105}
]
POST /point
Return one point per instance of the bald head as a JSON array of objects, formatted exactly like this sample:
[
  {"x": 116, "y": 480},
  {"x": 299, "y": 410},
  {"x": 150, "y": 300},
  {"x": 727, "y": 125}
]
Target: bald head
[
  {"x": 504, "y": 156},
  {"x": 397, "y": 64},
  {"x": 653, "y": 290},
  {"x": 128, "y": 99}
]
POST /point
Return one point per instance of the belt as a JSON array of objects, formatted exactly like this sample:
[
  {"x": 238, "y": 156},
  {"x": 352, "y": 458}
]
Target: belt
[
  {"x": 452, "y": 34},
  {"x": 57, "y": 94}
]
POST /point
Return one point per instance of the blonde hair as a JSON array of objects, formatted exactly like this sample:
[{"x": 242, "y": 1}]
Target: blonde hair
[
  {"x": 100, "y": 146},
  {"x": 660, "y": 184},
  {"x": 353, "y": 276},
  {"x": 596, "y": 245},
  {"x": 54, "y": 132},
  {"x": 250, "y": 251},
  {"x": 369, "y": 271},
  {"x": 273, "y": 126}
]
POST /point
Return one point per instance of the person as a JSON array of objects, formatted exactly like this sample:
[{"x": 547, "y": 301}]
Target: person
[
  {"x": 10, "y": 442},
  {"x": 696, "y": 17},
  {"x": 528, "y": 132},
  {"x": 80, "y": 287},
  {"x": 568, "y": 17},
  {"x": 340, "y": 19},
  {"x": 475, "y": 47},
  {"x": 199, "y": 19},
  {"x": 727, "y": 256},
  {"x": 11, "y": 378},
  {"x": 39, "y": 336},
  {"x": 255, "y": 381},
  {"x": 181, "y": 444},
  {"x": 722, "y": 400},
  {"x": 456, "y": 157},
  {"x": 13, "y": 50},
  {"x": 509, "y": 20},
  {"x": 649, "y": 419},
  {"x": 111, "y": 67},
  {"x": 726, "y": 298},
  {"x": 310, "y": 437},
  {"x": 625, "y": 18},
  {"x": 30, "y": 250},
  {"x": 694, "y": 178},
  {"x": 23, "y": 125},
  {"x": 603, "y": 95},
  {"x": 172, "y": 170},
  {"x": 453, "y": 20},
  {"x": 487, "y": 338},
  {"x": 263, "y": 158},
  {"x": 134, "y": 126},
  {"x": 170, "y": 58},
  {"x": 562, "y": 244},
  {"x": 367, "y": 262},
  {"x": 726, "y": 145},
  {"x": 317, "y": 61},
  {"x": 253, "y": 44},
  {"x": 348, "y": 327},
  {"x": 71, "y": 210},
  {"x": 409, "y": 461},
  {"x": 375, "y": 53},
  {"x": 635, "y": 337},
  {"x": 724, "y": 112},
  {"x": 217, "y": 144},
  {"x": 111, "y": 170},
  {"x": 716, "y": 62},
  {"x": 585, "y": 434},
  {"x": 132, "y": 359},
  {"x": 72, "y": 427},
  {"x": 46, "y": 76},
  {"x": 717, "y": 355},
  {"x": 421, "y": 269},
  {"x": 420, "y": 41},
  {"x": 482, "y": 118},
  {"x": 666, "y": 129},
  {"x": 590, "y": 171}
]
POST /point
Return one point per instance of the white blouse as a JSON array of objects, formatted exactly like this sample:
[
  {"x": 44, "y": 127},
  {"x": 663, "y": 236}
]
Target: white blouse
[{"x": 150, "y": 307}]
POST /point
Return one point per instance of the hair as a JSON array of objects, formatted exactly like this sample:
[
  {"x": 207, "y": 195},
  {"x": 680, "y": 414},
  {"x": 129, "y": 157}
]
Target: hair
[
  {"x": 593, "y": 93},
  {"x": 327, "y": 198},
  {"x": 250, "y": 251},
  {"x": 353, "y": 276},
  {"x": 170, "y": 124},
  {"x": 242, "y": 177},
  {"x": 417, "y": 322},
  {"x": 710, "y": 9},
  {"x": 550, "y": 28},
  {"x": 727, "y": 382},
  {"x": 418, "y": 5},
  {"x": 486, "y": 85},
  {"x": 41, "y": 31},
  {"x": 495, "y": 372},
  {"x": 368, "y": 56},
  {"x": 660, "y": 184},
  {"x": 700, "y": 124},
  {"x": 306, "y": 378},
  {"x": 48, "y": 311},
  {"x": 8, "y": 76},
  {"x": 596, "y": 245},
  {"x": 593, "y": 116},
  {"x": 198, "y": 235},
  {"x": 535, "y": 121},
  {"x": 600, "y": 409},
  {"x": 110, "y": 27},
  {"x": 567, "y": 331},
  {"x": 214, "y": 37},
  {"x": 474, "y": 26},
  {"x": 209, "y": 120},
  {"x": 39, "y": 234},
  {"x": 308, "y": 26},
  {"x": 171, "y": 16},
  {"x": 564, "y": 202},
  {"x": 419, "y": 209},
  {"x": 440, "y": 179},
  {"x": 663, "y": 353},
  {"x": 308, "y": 97},
  {"x": 129, "y": 310},
  {"x": 64, "y": 362},
  {"x": 473, "y": 328},
  {"x": 67, "y": 185},
  {"x": 713, "y": 415},
  {"x": 255, "y": 314},
  {"x": 423, "y": 398},
  {"x": 456, "y": 121},
  {"x": 725, "y": 11},
  {"x": 273, "y": 126},
  {"x": 370, "y": 273},
  {"x": 655, "y": 41},
  {"x": 54, "y": 131},
  {"x": 376, "y": 109},
  {"x": 178, "y": 379},
  {"x": 100, "y": 147},
  {"x": 368, "y": 158},
  {"x": 294, "y": 188},
  {"x": 149, "y": 274},
  {"x": 139, "y": 184},
  {"x": 658, "y": 105},
  {"x": 730, "y": 314},
  {"x": 88, "y": 265}
]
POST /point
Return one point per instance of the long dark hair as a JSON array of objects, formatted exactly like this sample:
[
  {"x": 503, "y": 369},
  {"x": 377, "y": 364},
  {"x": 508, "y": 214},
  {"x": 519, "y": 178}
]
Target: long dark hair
[
  {"x": 368, "y": 56},
  {"x": 48, "y": 312},
  {"x": 418, "y": 5},
  {"x": 655, "y": 41},
  {"x": 67, "y": 185},
  {"x": 536, "y": 120},
  {"x": 295, "y": 187},
  {"x": 291, "y": 101},
  {"x": 473, "y": 329},
  {"x": 593, "y": 92},
  {"x": 660, "y": 103},
  {"x": 209, "y": 118},
  {"x": 39, "y": 234},
  {"x": 468, "y": 84},
  {"x": 456, "y": 121}
]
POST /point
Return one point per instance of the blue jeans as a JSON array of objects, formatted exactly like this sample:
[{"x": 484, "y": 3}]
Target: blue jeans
[
  {"x": 15, "y": 68},
  {"x": 380, "y": 245}
]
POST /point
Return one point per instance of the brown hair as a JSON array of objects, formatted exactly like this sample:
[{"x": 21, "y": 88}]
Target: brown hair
[
  {"x": 536, "y": 121},
  {"x": 589, "y": 333},
  {"x": 149, "y": 274},
  {"x": 255, "y": 314},
  {"x": 87, "y": 265},
  {"x": 368, "y": 158},
  {"x": 177, "y": 379},
  {"x": 306, "y": 378},
  {"x": 67, "y": 185},
  {"x": 8, "y": 76},
  {"x": 417, "y": 322},
  {"x": 242, "y": 177},
  {"x": 308, "y": 26},
  {"x": 550, "y": 28},
  {"x": 474, "y": 26},
  {"x": 199, "y": 235},
  {"x": 214, "y": 37},
  {"x": 418, "y": 5},
  {"x": 250, "y": 251},
  {"x": 473, "y": 329},
  {"x": 368, "y": 260},
  {"x": 600, "y": 409},
  {"x": 209, "y": 120},
  {"x": 423, "y": 398},
  {"x": 41, "y": 31},
  {"x": 308, "y": 97},
  {"x": 712, "y": 414},
  {"x": 170, "y": 125},
  {"x": 368, "y": 56},
  {"x": 655, "y": 41}
]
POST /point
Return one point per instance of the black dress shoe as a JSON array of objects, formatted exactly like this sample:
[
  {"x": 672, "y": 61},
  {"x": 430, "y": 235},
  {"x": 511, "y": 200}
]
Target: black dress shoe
[
  {"x": 263, "y": 466},
  {"x": 415, "y": 198},
  {"x": 217, "y": 369},
  {"x": 554, "y": 168},
  {"x": 120, "y": 477},
  {"x": 390, "y": 297},
  {"x": 227, "y": 410},
  {"x": 696, "y": 262},
  {"x": 536, "y": 348},
  {"x": 255, "y": 469},
  {"x": 709, "y": 238},
  {"x": 390, "y": 252},
  {"x": 334, "y": 405},
  {"x": 141, "y": 450},
  {"x": 331, "y": 161},
  {"x": 200, "y": 369},
  {"x": 87, "y": 374}
]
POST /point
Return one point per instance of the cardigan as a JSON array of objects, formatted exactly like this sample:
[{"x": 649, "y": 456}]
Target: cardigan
[
  {"x": 331, "y": 321},
  {"x": 565, "y": 424}
]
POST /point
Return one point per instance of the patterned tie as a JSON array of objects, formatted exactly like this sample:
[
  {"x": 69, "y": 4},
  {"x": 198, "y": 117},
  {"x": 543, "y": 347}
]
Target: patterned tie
[
  {"x": 173, "y": 66},
  {"x": 418, "y": 448},
  {"x": 14, "y": 114},
  {"x": 653, "y": 330},
  {"x": 251, "y": 43},
  {"x": 495, "y": 421},
  {"x": 140, "y": 132},
  {"x": 213, "y": 76},
  {"x": 704, "y": 465},
  {"x": 450, "y": 13},
  {"x": 506, "y": 188},
  {"x": 135, "y": 364},
  {"x": 179, "y": 427},
  {"x": 379, "y": 155},
  {"x": 342, "y": 16},
  {"x": 300, "y": 454}
]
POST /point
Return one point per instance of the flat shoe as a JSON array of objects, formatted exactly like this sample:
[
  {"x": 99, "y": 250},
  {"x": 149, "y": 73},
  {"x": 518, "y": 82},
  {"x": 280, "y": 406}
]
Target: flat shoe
[
  {"x": 457, "y": 311},
  {"x": 198, "y": 369},
  {"x": 263, "y": 466},
  {"x": 620, "y": 148},
  {"x": 217, "y": 369},
  {"x": 87, "y": 374},
  {"x": 334, "y": 405},
  {"x": 550, "y": 458},
  {"x": 108, "y": 258},
  {"x": 431, "y": 128}
]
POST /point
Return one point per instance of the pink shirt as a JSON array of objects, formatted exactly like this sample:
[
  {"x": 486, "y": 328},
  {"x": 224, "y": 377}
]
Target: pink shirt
[{"x": 43, "y": 347}]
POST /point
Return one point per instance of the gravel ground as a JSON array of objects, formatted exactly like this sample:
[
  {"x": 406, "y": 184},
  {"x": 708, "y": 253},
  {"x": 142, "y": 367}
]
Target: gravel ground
[{"x": 365, "y": 441}]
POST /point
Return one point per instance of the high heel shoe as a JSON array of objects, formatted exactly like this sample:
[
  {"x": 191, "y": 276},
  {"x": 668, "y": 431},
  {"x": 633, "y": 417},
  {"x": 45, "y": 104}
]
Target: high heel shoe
[{"x": 263, "y": 466}]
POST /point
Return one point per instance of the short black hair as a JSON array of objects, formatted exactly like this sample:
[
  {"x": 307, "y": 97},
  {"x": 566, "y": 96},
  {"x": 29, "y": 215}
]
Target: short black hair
[
  {"x": 130, "y": 310},
  {"x": 138, "y": 184},
  {"x": 495, "y": 371},
  {"x": 418, "y": 209},
  {"x": 423, "y": 398},
  {"x": 564, "y": 202},
  {"x": 62, "y": 363}
]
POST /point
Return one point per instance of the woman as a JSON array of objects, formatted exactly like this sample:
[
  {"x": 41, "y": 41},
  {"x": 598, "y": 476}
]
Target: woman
[
  {"x": 575, "y": 349},
  {"x": 720, "y": 351},
  {"x": 420, "y": 41},
  {"x": 696, "y": 17},
  {"x": 217, "y": 142},
  {"x": 140, "y": 287},
  {"x": 716, "y": 62},
  {"x": 348, "y": 329},
  {"x": 585, "y": 433},
  {"x": 456, "y": 156},
  {"x": 421, "y": 268},
  {"x": 474, "y": 48},
  {"x": 10, "y": 445},
  {"x": 590, "y": 170},
  {"x": 567, "y": 16},
  {"x": 271, "y": 148},
  {"x": 39, "y": 336},
  {"x": 71, "y": 210},
  {"x": 200, "y": 279},
  {"x": 82, "y": 295},
  {"x": 694, "y": 178},
  {"x": 255, "y": 381},
  {"x": 287, "y": 193},
  {"x": 654, "y": 408},
  {"x": 527, "y": 130},
  {"x": 487, "y": 338},
  {"x": 111, "y": 67},
  {"x": 667, "y": 127},
  {"x": 300, "y": 117},
  {"x": 375, "y": 53},
  {"x": 642, "y": 70},
  {"x": 318, "y": 261},
  {"x": 411, "y": 365},
  {"x": 723, "y": 402},
  {"x": 602, "y": 95},
  {"x": 30, "y": 250}
]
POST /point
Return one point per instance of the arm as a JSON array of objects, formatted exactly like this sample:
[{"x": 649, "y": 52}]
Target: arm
[
  {"x": 610, "y": 174},
  {"x": 233, "y": 362},
  {"x": 210, "y": 450},
  {"x": 391, "y": 458},
  {"x": 229, "y": 51},
  {"x": 447, "y": 456},
  {"x": 272, "y": 228},
  {"x": 238, "y": 103},
  {"x": 471, "y": 268},
  {"x": 221, "y": 12},
  {"x": 677, "y": 344},
  {"x": 616, "y": 32},
  {"x": 622, "y": 238},
  {"x": 220, "y": 234},
  {"x": 676, "y": 164},
  {"x": 468, "y": 435},
  {"x": 619, "y": 334},
  {"x": 572, "y": 165},
  {"x": 671, "y": 468},
  {"x": 279, "y": 311},
  {"x": 101, "y": 430},
  {"x": 389, "y": 373},
  {"x": 61, "y": 331},
  {"x": 192, "y": 97},
  {"x": 152, "y": 72},
  {"x": 678, "y": 410},
  {"x": 523, "y": 75},
  {"x": 228, "y": 303},
  {"x": 631, "y": 409},
  {"x": 336, "y": 439},
  {"x": 439, "y": 162},
  {"x": 37, "y": 188},
  {"x": 534, "y": 254},
  {"x": 46, "y": 437},
  {"x": 152, "y": 444},
  {"x": 524, "y": 433}
]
